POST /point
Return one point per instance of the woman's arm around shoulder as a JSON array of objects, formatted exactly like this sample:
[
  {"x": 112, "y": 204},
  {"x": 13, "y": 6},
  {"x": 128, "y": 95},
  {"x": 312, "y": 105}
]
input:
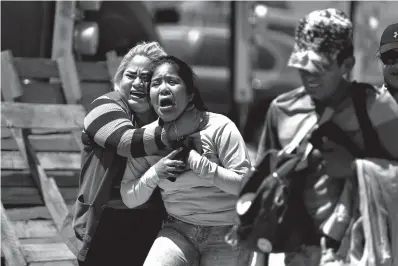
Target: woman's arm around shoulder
[{"x": 108, "y": 124}]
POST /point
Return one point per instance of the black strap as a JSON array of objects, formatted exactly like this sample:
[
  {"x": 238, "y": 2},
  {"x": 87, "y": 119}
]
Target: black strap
[{"x": 373, "y": 146}]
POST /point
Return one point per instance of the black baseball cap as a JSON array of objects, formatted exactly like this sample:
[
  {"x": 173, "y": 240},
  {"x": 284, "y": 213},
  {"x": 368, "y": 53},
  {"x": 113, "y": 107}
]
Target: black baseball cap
[{"x": 389, "y": 38}]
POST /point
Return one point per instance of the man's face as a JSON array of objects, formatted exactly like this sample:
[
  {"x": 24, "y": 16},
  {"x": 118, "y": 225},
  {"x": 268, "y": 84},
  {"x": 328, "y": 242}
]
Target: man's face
[
  {"x": 322, "y": 83},
  {"x": 390, "y": 67}
]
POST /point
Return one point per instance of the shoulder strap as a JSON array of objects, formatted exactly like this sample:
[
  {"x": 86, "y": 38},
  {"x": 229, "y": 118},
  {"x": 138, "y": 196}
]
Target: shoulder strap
[{"x": 371, "y": 139}]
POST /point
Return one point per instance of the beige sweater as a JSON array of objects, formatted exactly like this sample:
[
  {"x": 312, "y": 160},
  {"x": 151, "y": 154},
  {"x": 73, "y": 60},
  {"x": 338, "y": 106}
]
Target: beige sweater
[{"x": 205, "y": 195}]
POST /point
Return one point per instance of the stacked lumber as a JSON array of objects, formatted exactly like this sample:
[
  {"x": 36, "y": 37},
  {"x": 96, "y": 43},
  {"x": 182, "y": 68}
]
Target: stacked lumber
[{"x": 43, "y": 106}]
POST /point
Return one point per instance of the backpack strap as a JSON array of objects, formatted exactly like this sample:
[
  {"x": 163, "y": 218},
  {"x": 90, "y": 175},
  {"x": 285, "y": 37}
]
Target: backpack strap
[{"x": 371, "y": 139}]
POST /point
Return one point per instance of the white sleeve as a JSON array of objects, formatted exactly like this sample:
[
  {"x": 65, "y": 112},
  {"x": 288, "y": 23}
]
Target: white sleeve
[
  {"x": 136, "y": 188},
  {"x": 234, "y": 159}
]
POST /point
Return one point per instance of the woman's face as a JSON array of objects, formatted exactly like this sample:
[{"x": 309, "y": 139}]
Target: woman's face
[
  {"x": 390, "y": 67},
  {"x": 168, "y": 93},
  {"x": 134, "y": 83}
]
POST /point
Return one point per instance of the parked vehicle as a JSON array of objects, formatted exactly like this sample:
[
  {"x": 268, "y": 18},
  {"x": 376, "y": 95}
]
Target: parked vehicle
[
  {"x": 207, "y": 50},
  {"x": 27, "y": 26}
]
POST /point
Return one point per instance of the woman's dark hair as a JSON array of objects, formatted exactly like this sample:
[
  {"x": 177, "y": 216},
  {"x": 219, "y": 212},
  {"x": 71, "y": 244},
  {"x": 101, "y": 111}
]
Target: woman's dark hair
[
  {"x": 186, "y": 74},
  {"x": 347, "y": 52}
]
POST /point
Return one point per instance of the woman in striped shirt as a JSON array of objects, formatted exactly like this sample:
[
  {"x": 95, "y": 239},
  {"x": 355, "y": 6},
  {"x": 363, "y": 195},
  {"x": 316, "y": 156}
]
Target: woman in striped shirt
[{"x": 112, "y": 134}]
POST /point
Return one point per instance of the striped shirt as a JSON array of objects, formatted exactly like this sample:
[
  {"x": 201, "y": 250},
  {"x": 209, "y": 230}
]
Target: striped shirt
[{"x": 110, "y": 124}]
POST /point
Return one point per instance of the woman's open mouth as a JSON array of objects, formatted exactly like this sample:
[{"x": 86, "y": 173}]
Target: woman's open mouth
[
  {"x": 166, "y": 103},
  {"x": 137, "y": 94}
]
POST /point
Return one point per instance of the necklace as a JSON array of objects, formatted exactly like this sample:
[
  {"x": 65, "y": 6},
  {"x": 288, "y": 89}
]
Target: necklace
[{"x": 180, "y": 138}]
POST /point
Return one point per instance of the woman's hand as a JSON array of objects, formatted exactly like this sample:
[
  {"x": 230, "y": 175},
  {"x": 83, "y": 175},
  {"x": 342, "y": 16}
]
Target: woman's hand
[{"x": 169, "y": 167}]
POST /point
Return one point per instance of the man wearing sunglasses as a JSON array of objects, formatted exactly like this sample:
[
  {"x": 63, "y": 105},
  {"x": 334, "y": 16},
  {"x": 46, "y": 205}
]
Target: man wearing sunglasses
[
  {"x": 324, "y": 56},
  {"x": 389, "y": 57}
]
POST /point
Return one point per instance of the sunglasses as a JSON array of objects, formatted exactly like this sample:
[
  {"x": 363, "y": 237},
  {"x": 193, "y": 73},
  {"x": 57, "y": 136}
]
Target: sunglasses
[{"x": 390, "y": 57}]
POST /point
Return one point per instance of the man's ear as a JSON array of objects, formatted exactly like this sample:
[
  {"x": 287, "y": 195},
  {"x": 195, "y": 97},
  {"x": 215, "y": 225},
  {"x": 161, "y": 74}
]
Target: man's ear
[{"x": 348, "y": 65}]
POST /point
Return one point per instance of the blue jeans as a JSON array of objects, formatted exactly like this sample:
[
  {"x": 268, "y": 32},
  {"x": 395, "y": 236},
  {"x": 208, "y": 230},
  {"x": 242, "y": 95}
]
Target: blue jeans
[{"x": 183, "y": 244}]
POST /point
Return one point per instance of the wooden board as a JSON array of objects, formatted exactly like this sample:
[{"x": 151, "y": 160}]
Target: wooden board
[
  {"x": 92, "y": 90},
  {"x": 31, "y": 196},
  {"x": 41, "y": 240},
  {"x": 46, "y": 252},
  {"x": 35, "y": 229},
  {"x": 6, "y": 133},
  {"x": 69, "y": 78},
  {"x": 113, "y": 62},
  {"x": 55, "y": 263},
  {"x": 35, "y": 68},
  {"x": 9, "y": 242},
  {"x": 48, "y": 160},
  {"x": 30, "y": 213},
  {"x": 42, "y": 92},
  {"x": 12, "y": 80},
  {"x": 54, "y": 143},
  {"x": 52, "y": 116},
  {"x": 23, "y": 178}
]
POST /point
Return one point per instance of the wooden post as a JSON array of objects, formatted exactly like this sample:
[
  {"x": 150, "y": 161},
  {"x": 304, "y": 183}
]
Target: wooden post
[
  {"x": 64, "y": 21},
  {"x": 70, "y": 84},
  {"x": 11, "y": 247},
  {"x": 242, "y": 68},
  {"x": 69, "y": 78},
  {"x": 112, "y": 62},
  {"x": 10, "y": 78}
]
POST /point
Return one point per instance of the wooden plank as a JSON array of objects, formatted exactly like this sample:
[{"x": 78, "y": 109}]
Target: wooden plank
[
  {"x": 44, "y": 68},
  {"x": 9, "y": 241},
  {"x": 40, "y": 240},
  {"x": 55, "y": 143},
  {"x": 10, "y": 83},
  {"x": 112, "y": 62},
  {"x": 92, "y": 90},
  {"x": 93, "y": 71},
  {"x": 70, "y": 80},
  {"x": 31, "y": 196},
  {"x": 30, "y": 213},
  {"x": 70, "y": 84},
  {"x": 6, "y": 133},
  {"x": 48, "y": 160},
  {"x": 51, "y": 116},
  {"x": 23, "y": 178},
  {"x": 48, "y": 188},
  {"x": 35, "y": 229},
  {"x": 55, "y": 263},
  {"x": 36, "y": 68},
  {"x": 63, "y": 30},
  {"x": 42, "y": 92},
  {"x": 46, "y": 252}
]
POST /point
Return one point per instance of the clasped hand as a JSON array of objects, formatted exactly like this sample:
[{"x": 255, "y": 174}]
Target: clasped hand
[
  {"x": 175, "y": 163},
  {"x": 336, "y": 160},
  {"x": 169, "y": 166}
]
